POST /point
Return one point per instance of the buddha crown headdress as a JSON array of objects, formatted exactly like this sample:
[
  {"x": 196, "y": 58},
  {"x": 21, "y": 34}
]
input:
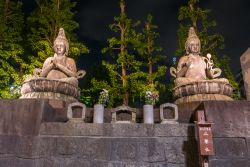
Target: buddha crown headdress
[
  {"x": 191, "y": 36},
  {"x": 62, "y": 37}
]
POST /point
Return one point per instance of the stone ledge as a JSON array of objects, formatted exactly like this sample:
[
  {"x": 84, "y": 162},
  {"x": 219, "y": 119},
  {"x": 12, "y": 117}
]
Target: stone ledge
[{"x": 116, "y": 130}]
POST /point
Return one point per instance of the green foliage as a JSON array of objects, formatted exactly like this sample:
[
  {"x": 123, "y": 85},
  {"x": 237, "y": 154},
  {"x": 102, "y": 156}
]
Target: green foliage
[
  {"x": 124, "y": 72},
  {"x": 230, "y": 77},
  {"x": 43, "y": 25},
  {"x": 193, "y": 15},
  {"x": 151, "y": 55},
  {"x": 12, "y": 61}
]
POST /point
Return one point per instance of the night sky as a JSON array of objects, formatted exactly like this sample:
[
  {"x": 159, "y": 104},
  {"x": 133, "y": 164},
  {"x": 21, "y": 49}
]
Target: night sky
[{"x": 94, "y": 16}]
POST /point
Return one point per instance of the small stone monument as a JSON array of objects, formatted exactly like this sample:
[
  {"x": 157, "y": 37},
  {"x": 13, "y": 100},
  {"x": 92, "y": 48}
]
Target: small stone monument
[
  {"x": 245, "y": 69},
  {"x": 58, "y": 78},
  {"x": 196, "y": 78},
  {"x": 175, "y": 110},
  {"x": 126, "y": 109},
  {"x": 70, "y": 112}
]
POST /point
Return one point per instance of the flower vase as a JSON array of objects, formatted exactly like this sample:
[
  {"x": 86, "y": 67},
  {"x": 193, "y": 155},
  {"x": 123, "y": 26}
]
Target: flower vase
[
  {"x": 148, "y": 114},
  {"x": 98, "y": 113}
]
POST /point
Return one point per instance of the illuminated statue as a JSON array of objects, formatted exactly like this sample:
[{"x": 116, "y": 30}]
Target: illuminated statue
[
  {"x": 196, "y": 78},
  {"x": 56, "y": 70}
]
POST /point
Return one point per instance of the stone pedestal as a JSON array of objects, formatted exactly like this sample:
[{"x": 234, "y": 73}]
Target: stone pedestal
[
  {"x": 43, "y": 88},
  {"x": 204, "y": 90}
]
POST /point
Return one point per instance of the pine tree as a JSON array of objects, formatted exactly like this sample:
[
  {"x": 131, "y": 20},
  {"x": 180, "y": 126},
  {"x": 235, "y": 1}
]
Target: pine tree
[
  {"x": 124, "y": 72},
  {"x": 193, "y": 15},
  {"x": 12, "y": 63},
  {"x": 43, "y": 25}
]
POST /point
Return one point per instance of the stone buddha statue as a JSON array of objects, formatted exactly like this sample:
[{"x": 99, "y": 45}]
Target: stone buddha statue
[
  {"x": 56, "y": 70},
  {"x": 192, "y": 66},
  {"x": 196, "y": 78}
]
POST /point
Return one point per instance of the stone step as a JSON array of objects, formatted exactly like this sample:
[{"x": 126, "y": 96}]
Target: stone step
[{"x": 116, "y": 130}]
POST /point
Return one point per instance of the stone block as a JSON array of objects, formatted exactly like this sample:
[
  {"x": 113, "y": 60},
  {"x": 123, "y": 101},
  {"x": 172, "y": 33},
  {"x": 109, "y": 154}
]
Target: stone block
[
  {"x": 67, "y": 162},
  {"x": 131, "y": 130},
  {"x": 245, "y": 68},
  {"x": 248, "y": 146},
  {"x": 96, "y": 148},
  {"x": 229, "y": 163},
  {"x": 180, "y": 150},
  {"x": 84, "y": 147},
  {"x": 176, "y": 165},
  {"x": 150, "y": 150},
  {"x": 8, "y": 144},
  {"x": 231, "y": 119},
  {"x": 7, "y": 161},
  {"x": 21, "y": 117},
  {"x": 24, "y": 162},
  {"x": 186, "y": 111},
  {"x": 129, "y": 164},
  {"x": 72, "y": 129},
  {"x": 170, "y": 130},
  {"x": 35, "y": 147},
  {"x": 234, "y": 148},
  {"x": 124, "y": 149},
  {"x": 67, "y": 146}
]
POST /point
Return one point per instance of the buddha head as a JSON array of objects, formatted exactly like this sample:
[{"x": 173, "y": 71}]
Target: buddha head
[
  {"x": 193, "y": 44},
  {"x": 61, "y": 45}
]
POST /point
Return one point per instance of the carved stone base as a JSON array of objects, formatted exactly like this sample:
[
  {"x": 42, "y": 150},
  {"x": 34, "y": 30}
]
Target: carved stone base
[
  {"x": 49, "y": 89},
  {"x": 48, "y": 95},
  {"x": 203, "y": 87},
  {"x": 203, "y": 97},
  {"x": 203, "y": 90}
]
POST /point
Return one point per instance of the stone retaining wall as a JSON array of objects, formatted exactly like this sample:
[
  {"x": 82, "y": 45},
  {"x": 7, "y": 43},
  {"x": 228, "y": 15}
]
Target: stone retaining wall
[{"x": 34, "y": 133}]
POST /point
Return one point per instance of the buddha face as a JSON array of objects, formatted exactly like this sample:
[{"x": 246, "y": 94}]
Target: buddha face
[
  {"x": 194, "y": 46},
  {"x": 60, "y": 48}
]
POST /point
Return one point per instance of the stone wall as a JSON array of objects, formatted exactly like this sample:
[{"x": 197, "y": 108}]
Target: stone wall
[
  {"x": 231, "y": 132},
  {"x": 35, "y": 133},
  {"x": 89, "y": 145}
]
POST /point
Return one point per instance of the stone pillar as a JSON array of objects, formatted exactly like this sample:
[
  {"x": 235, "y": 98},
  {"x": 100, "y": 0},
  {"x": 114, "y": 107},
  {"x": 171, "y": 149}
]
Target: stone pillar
[
  {"x": 148, "y": 114},
  {"x": 245, "y": 69},
  {"x": 98, "y": 113}
]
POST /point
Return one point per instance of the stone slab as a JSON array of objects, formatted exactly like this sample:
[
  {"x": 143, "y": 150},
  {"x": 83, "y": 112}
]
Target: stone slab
[
  {"x": 234, "y": 148},
  {"x": 245, "y": 69},
  {"x": 21, "y": 117},
  {"x": 248, "y": 147},
  {"x": 229, "y": 163},
  {"x": 116, "y": 130},
  {"x": 231, "y": 119}
]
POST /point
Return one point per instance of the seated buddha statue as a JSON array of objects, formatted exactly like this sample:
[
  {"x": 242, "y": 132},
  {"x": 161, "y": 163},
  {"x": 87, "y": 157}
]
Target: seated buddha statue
[
  {"x": 60, "y": 67},
  {"x": 56, "y": 70},
  {"x": 193, "y": 67}
]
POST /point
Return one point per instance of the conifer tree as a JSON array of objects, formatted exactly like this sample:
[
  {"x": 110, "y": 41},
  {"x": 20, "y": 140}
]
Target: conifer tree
[
  {"x": 12, "y": 63},
  {"x": 124, "y": 71},
  {"x": 43, "y": 25},
  {"x": 193, "y": 15},
  {"x": 151, "y": 55}
]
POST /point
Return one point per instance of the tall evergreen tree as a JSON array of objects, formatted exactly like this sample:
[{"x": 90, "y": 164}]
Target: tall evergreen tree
[
  {"x": 151, "y": 55},
  {"x": 43, "y": 25},
  {"x": 12, "y": 63},
  {"x": 193, "y": 15},
  {"x": 124, "y": 71}
]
